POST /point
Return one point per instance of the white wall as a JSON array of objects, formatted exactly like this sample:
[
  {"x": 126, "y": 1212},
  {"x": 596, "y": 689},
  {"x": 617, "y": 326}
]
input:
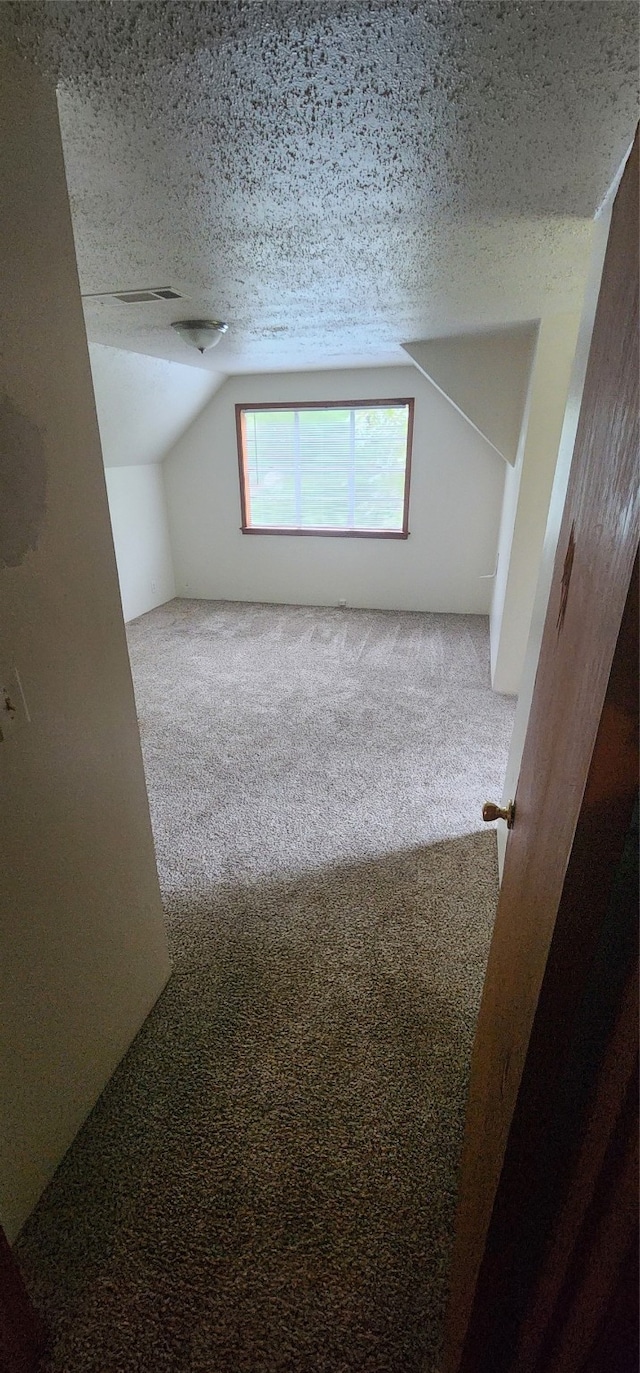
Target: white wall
[
  {"x": 527, "y": 495},
  {"x": 456, "y": 495},
  {"x": 486, "y": 376},
  {"x": 140, "y": 527},
  {"x": 556, "y": 509},
  {"x": 83, "y": 953},
  {"x": 144, "y": 403}
]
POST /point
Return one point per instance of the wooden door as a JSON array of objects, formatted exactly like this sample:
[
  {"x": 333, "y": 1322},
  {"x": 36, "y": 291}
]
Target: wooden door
[{"x": 574, "y": 804}]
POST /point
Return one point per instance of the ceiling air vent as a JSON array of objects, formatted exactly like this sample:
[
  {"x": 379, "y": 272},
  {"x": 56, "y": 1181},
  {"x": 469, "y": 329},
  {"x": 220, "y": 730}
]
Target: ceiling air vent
[{"x": 137, "y": 297}]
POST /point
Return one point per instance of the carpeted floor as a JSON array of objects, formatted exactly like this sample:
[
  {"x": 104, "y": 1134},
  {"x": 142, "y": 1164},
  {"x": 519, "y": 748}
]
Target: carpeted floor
[{"x": 267, "y": 1185}]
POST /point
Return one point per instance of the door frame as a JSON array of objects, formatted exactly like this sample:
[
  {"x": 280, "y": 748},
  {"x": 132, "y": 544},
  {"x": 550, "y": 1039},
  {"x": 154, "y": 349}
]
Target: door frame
[{"x": 521, "y": 1146}]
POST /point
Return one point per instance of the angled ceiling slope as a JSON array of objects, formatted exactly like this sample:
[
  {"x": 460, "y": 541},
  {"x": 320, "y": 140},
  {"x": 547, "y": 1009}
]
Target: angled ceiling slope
[
  {"x": 144, "y": 404},
  {"x": 485, "y": 377}
]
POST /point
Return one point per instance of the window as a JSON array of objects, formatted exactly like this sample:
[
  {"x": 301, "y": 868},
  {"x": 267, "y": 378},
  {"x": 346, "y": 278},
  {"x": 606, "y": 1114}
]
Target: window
[{"x": 314, "y": 468}]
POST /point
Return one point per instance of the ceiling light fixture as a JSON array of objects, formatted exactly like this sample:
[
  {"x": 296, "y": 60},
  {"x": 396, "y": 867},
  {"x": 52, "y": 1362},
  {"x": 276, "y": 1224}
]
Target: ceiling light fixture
[{"x": 202, "y": 333}]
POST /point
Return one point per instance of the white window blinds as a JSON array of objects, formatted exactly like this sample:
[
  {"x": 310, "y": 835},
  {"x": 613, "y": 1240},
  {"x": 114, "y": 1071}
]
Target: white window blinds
[{"x": 335, "y": 469}]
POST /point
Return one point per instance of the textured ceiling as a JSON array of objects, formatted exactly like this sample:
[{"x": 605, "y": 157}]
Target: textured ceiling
[{"x": 333, "y": 178}]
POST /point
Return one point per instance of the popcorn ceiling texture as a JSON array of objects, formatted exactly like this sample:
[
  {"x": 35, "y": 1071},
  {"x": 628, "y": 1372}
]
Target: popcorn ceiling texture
[
  {"x": 334, "y": 178},
  {"x": 267, "y": 1185}
]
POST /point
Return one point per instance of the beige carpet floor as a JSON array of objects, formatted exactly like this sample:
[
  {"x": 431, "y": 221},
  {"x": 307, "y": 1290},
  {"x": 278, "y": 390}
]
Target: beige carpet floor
[{"x": 268, "y": 1182}]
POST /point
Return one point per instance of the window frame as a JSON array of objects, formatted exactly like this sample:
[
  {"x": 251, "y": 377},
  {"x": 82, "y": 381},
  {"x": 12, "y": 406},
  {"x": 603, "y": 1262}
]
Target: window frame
[{"x": 319, "y": 532}]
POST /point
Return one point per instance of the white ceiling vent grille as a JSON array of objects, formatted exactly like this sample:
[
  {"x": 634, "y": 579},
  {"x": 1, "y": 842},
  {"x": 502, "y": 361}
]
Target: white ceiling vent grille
[{"x": 137, "y": 297}]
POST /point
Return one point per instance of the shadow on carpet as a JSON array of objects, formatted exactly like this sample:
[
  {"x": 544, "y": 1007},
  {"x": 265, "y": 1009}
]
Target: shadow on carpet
[{"x": 268, "y": 1181}]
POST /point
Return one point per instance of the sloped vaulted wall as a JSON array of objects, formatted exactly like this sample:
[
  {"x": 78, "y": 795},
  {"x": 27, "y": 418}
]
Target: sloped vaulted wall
[
  {"x": 485, "y": 376},
  {"x": 143, "y": 404}
]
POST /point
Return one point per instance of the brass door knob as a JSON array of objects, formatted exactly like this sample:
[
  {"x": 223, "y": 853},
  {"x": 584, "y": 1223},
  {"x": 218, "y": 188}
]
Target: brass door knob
[{"x": 490, "y": 811}]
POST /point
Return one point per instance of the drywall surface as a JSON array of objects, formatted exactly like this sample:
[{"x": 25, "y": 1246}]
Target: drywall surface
[
  {"x": 138, "y": 513},
  {"x": 83, "y": 953},
  {"x": 526, "y": 500},
  {"x": 556, "y": 510},
  {"x": 144, "y": 403},
  {"x": 333, "y": 179},
  {"x": 456, "y": 494},
  {"x": 486, "y": 376}
]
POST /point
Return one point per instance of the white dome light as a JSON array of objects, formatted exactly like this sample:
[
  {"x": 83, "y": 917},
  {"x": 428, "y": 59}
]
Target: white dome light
[{"x": 202, "y": 333}]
